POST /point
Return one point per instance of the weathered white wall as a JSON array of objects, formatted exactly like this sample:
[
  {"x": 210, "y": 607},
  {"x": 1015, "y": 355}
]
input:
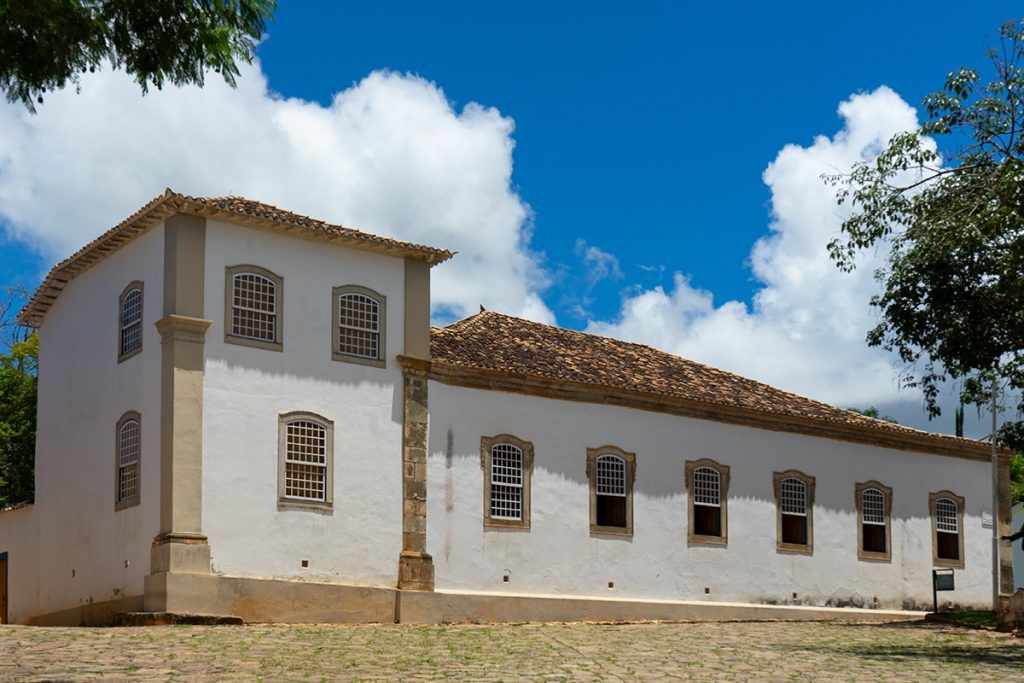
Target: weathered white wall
[
  {"x": 1018, "y": 552},
  {"x": 247, "y": 388},
  {"x": 83, "y": 391},
  {"x": 18, "y": 535},
  {"x": 559, "y": 556}
]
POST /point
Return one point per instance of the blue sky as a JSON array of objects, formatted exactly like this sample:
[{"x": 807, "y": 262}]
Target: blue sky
[
  {"x": 656, "y": 117},
  {"x": 642, "y": 136}
]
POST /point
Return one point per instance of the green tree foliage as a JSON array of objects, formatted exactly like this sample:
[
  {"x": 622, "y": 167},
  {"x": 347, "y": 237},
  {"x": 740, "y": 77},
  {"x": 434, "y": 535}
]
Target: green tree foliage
[
  {"x": 47, "y": 44},
  {"x": 948, "y": 201},
  {"x": 1012, "y": 436},
  {"x": 18, "y": 421},
  {"x": 875, "y": 413}
]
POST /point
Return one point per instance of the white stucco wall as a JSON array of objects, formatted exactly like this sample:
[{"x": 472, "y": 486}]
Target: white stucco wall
[
  {"x": 83, "y": 391},
  {"x": 557, "y": 555},
  {"x": 1018, "y": 551},
  {"x": 247, "y": 388}
]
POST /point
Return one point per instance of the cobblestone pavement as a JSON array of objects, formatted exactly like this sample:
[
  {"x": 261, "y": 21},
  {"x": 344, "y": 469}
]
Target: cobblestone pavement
[{"x": 552, "y": 652}]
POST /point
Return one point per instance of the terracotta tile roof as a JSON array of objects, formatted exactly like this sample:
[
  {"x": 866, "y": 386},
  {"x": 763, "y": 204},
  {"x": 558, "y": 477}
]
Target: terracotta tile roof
[
  {"x": 496, "y": 342},
  {"x": 232, "y": 209}
]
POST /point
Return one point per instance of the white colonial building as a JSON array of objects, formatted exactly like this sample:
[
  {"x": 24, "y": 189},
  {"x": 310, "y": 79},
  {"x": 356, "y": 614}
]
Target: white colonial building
[{"x": 244, "y": 411}]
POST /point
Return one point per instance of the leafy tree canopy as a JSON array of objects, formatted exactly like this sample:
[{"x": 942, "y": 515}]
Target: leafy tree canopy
[
  {"x": 47, "y": 44},
  {"x": 18, "y": 421},
  {"x": 948, "y": 200}
]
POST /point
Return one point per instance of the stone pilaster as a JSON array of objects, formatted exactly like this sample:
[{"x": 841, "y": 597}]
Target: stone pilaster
[
  {"x": 1004, "y": 522},
  {"x": 180, "y": 545},
  {"x": 415, "y": 566}
]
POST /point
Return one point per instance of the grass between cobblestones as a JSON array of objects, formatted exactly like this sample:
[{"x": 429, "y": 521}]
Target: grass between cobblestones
[{"x": 553, "y": 652}]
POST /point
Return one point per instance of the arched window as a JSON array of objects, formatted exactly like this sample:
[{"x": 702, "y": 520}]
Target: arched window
[
  {"x": 708, "y": 484},
  {"x": 947, "y": 513},
  {"x": 306, "y": 460},
  {"x": 507, "y": 463},
  {"x": 611, "y": 471},
  {"x": 794, "y": 498},
  {"x": 253, "y": 307},
  {"x": 130, "y": 315},
  {"x": 128, "y": 458},
  {"x": 874, "y": 503},
  {"x": 359, "y": 325}
]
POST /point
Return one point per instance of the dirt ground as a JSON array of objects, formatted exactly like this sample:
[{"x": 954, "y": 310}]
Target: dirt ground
[{"x": 554, "y": 652}]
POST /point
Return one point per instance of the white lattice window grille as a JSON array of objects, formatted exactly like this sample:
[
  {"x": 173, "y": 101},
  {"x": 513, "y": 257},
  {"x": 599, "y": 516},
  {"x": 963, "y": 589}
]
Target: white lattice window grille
[
  {"x": 305, "y": 461},
  {"x": 794, "y": 497},
  {"x": 359, "y": 326},
  {"x": 254, "y": 307},
  {"x": 506, "y": 481},
  {"x": 131, "y": 321},
  {"x": 128, "y": 449},
  {"x": 707, "y": 487},
  {"x": 611, "y": 476},
  {"x": 946, "y": 513},
  {"x": 873, "y": 506}
]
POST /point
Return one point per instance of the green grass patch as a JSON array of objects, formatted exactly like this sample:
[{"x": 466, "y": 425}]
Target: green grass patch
[{"x": 972, "y": 617}]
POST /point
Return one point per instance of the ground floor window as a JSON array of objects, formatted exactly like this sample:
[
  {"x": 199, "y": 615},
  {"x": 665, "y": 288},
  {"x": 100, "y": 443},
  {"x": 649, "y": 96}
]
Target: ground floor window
[{"x": 708, "y": 484}]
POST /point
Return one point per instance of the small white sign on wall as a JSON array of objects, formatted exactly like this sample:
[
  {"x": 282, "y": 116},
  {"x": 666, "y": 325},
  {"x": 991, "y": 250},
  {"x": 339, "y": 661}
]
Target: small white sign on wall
[{"x": 986, "y": 519}]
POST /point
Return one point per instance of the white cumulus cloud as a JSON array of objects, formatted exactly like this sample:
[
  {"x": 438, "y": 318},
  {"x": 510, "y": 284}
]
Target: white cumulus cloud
[
  {"x": 389, "y": 155},
  {"x": 805, "y": 331}
]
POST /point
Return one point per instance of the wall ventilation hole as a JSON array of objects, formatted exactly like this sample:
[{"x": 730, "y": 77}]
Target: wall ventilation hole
[
  {"x": 876, "y": 599},
  {"x": 707, "y": 591},
  {"x": 504, "y": 579},
  {"x": 305, "y": 563},
  {"x": 794, "y": 596},
  {"x": 611, "y": 584}
]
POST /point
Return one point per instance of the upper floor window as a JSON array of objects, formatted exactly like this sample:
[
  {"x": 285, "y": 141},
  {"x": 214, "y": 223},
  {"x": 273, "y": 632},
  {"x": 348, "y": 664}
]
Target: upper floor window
[
  {"x": 611, "y": 472},
  {"x": 253, "y": 307},
  {"x": 874, "y": 533},
  {"x": 130, "y": 316},
  {"x": 947, "y": 513},
  {"x": 128, "y": 457},
  {"x": 708, "y": 484},
  {"x": 794, "y": 502},
  {"x": 305, "y": 460},
  {"x": 507, "y": 463},
  {"x": 358, "y": 317}
]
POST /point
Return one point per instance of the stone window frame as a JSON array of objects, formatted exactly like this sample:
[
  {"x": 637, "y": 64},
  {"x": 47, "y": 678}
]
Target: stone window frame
[
  {"x": 131, "y": 287},
  {"x": 229, "y": 289},
  {"x": 630, "y": 460},
  {"x": 382, "y": 303},
  {"x": 486, "y": 444},
  {"x": 284, "y": 502},
  {"x": 723, "y": 474},
  {"x": 858, "y": 491},
  {"x": 933, "y": 499},
  {"x": 130, "y": 501},
  {"x": 809, "y": 483}
]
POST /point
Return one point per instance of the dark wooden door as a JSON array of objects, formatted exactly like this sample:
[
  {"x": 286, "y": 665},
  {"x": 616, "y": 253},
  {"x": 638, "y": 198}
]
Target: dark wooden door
[{"x": 3, "y": 588}]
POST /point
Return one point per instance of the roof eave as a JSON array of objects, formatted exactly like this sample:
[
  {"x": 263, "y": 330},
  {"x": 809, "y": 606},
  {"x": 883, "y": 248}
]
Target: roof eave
[
  {"x": 500, "y": 380},
  {"x": 170, "y": 203}
]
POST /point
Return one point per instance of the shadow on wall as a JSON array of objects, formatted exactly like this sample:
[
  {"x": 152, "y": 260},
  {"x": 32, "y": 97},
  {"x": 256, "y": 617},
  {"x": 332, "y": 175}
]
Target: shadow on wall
[
  {"x": 660, "y": 475},
  {"x": 388, "y": 378}
]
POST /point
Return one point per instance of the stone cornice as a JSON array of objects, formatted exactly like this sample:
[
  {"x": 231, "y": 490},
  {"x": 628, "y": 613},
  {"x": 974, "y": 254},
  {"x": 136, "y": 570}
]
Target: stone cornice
[
  {"x": 536, "y": 385},
  {"x": 182, "y": 328}
]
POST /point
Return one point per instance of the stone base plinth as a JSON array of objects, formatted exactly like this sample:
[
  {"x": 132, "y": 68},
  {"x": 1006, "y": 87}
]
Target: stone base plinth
[{"x": 415, "y": 571}]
